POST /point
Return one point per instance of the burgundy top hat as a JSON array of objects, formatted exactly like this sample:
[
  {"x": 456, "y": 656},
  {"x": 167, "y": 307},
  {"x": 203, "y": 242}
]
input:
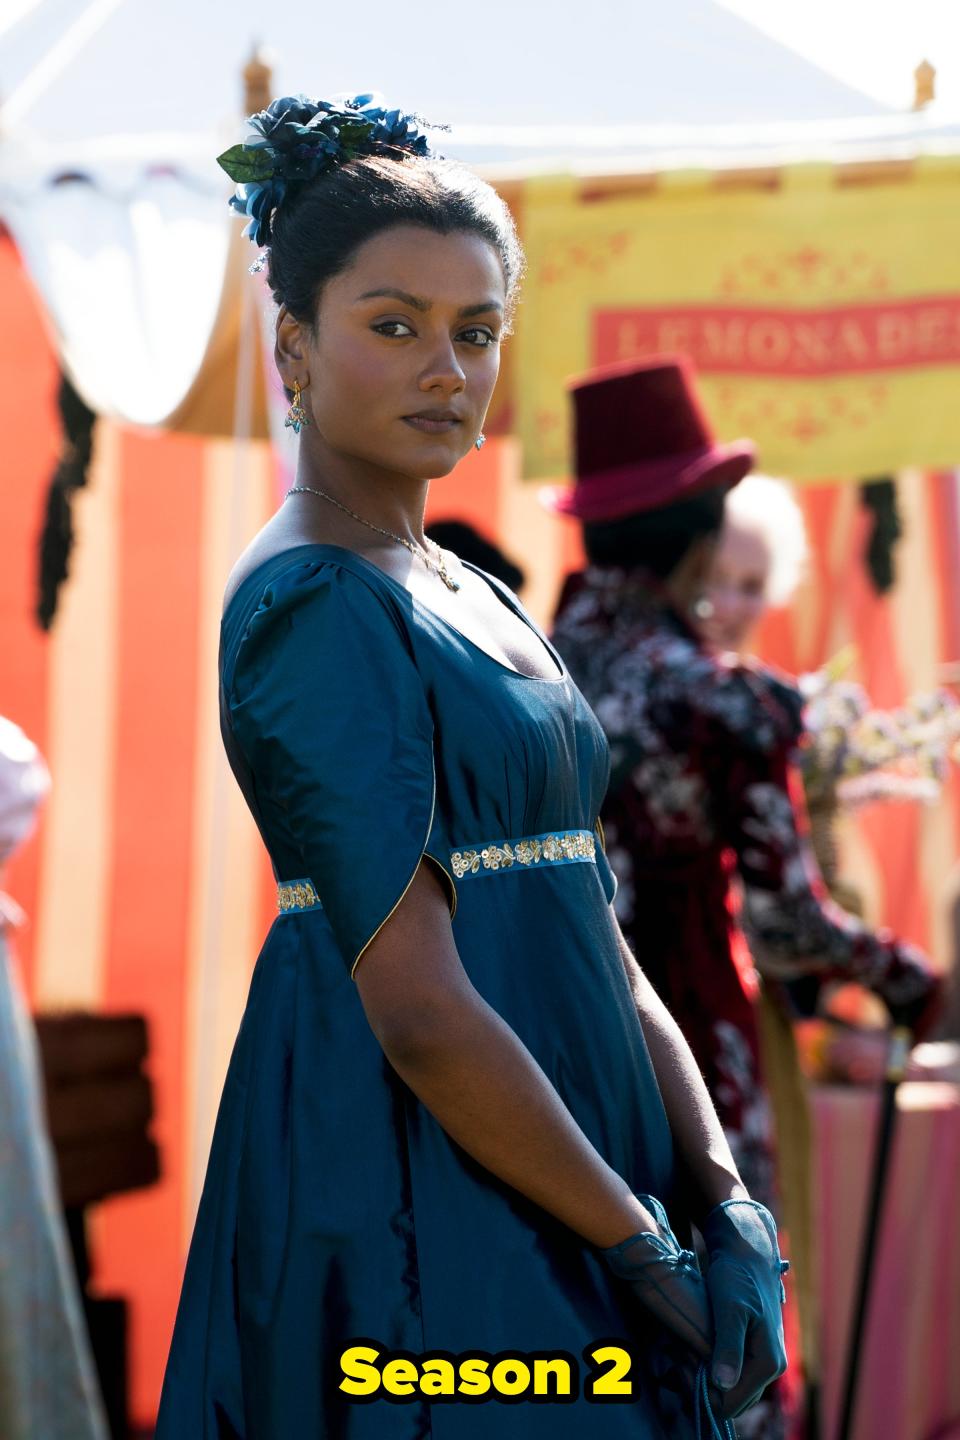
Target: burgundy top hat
[{"x": 643, "y": 441}]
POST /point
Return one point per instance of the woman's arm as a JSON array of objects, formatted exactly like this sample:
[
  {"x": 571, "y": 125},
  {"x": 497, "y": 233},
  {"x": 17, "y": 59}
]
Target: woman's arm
[
  {"x": 484, "y": 1087},
  {"x": 699, "y": 1140},
  {"x": 477, "y": 1079},
  {"x": 792, "y": 925}
]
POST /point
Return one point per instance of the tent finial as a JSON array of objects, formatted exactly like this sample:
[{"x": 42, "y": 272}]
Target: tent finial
[
  {"x": 924, "y": 85},
  {"x": 257, "y": 81}
]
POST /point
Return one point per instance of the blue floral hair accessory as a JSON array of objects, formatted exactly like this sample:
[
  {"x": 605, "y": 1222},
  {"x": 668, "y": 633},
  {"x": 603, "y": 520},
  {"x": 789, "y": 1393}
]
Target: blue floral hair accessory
[{"x": 296, "y": 139}]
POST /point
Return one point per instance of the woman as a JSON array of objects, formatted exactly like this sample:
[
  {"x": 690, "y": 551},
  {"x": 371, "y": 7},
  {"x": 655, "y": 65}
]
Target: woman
[
  {"x": 758, "y": 563},
  {"x": 700, "y": 751},
  {"x": 451, "y": 1081},
  {"x": 47, "y": 1383}
]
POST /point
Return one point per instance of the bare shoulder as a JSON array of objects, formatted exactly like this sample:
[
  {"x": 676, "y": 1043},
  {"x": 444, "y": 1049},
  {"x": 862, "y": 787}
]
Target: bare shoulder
[
  {"x": 286, "y": 531},
  {"x": 279, "y": 534},
  {"x": 272, "y": 540}
]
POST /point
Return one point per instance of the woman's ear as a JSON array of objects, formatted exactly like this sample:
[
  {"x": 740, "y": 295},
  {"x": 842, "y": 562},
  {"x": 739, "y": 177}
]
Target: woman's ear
[
  {"x": 686, "y": 583},
  {"x": 290, "y": 351}
]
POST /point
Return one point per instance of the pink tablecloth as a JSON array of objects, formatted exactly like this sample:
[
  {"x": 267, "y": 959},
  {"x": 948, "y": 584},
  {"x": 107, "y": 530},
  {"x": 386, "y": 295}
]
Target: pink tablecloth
[{"x": 910, "y": 1374}]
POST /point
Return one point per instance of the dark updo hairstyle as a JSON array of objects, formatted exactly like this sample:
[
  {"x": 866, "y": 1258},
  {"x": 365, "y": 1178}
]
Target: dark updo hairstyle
[
  {"x": 317, "y": 232},
  {"x": 318, "y": 178},
  {"x": 655, "y": 540}
]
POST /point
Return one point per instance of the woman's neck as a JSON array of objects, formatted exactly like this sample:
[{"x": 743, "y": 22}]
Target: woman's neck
[{"x": 381, "y": 497}]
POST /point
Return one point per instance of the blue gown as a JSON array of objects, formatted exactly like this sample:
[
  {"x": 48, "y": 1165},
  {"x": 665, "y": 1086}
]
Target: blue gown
[{"x": 366, "y": 732}]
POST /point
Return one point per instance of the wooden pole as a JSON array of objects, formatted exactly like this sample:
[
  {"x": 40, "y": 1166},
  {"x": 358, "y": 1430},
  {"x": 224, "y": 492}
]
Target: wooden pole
[
  {"x": 900, "y": 1043},
  {"x": 924, "y": 85},
  {"x": 257, "y": 82}
]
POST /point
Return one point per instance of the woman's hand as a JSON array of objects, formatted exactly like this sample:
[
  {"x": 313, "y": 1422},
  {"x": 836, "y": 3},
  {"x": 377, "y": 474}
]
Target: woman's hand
[
  {"x": 746, "y": 1294},
  {"x": 911, "y": 989},
  {"x": 666, "y": 1280}
]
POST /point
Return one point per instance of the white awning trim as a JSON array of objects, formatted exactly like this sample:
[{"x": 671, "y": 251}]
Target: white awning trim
[{"x": 131, "y": 286}]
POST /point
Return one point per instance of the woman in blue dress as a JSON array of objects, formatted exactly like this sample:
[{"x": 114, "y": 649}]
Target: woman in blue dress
[{"x": 454, "y": 1104}]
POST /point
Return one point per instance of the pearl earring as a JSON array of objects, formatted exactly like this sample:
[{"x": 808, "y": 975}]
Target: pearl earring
[{"x": 703, "y": 608}]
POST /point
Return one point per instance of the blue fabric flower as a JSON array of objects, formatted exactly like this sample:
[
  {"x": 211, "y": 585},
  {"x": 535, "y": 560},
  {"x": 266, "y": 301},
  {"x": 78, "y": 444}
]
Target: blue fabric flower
[{"x": 295, "y": 139}]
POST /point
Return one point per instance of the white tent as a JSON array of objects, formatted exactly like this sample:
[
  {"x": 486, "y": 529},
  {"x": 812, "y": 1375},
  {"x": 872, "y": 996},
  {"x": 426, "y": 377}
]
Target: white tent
[
  {"x": 98, "y": 67},
  {"x": 115, "y": 109}
]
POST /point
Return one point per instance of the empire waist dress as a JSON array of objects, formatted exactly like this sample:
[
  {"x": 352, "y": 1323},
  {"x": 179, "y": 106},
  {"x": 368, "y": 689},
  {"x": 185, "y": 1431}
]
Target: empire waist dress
[{"x": 367, "y": 733}]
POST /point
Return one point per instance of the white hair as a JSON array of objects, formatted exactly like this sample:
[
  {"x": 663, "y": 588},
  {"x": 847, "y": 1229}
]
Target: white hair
[{"x": 766, "y": 507}]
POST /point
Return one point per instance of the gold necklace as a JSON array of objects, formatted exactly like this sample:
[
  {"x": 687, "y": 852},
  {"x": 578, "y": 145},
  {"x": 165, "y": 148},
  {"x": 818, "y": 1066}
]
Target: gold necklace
[{"x": 437, "y": 565}]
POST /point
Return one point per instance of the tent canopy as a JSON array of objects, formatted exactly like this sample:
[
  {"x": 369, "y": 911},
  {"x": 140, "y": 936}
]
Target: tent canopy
[
  {"x": 128, "y": 65},
  {"x": 123, "y": 225}
]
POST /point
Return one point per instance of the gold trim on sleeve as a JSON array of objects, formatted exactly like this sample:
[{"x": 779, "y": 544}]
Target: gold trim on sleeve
[{"x": 452, "y": 898}]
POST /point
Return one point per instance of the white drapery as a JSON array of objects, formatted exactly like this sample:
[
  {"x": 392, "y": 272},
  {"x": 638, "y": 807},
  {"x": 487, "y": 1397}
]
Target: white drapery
[{"x": 130, "y": 266}]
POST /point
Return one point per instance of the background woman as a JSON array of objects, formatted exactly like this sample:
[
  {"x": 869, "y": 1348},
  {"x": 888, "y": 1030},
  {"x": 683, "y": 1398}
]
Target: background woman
[
  {"x": 700, "y": 751},
  {"x": 758, "y": 563},
  {"x": 452, "y": 1081},
  {"x": 47, "y": 1383}
]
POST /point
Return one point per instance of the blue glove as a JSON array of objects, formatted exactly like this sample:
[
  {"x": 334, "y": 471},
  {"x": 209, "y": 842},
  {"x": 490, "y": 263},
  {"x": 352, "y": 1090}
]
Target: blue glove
[
  {"x": 666, "y": 1280},
  {"x": 746, "y": 1294}
]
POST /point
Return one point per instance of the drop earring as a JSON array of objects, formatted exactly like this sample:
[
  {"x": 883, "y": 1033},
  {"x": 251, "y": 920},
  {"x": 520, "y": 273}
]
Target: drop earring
[
  {"x": 480, "y": 441},
  {"x": 296, "y": 415}
]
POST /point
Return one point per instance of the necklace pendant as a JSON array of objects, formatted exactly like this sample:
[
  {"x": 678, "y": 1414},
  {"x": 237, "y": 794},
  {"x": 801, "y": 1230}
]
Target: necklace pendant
[{"x": 440, "y": 565}]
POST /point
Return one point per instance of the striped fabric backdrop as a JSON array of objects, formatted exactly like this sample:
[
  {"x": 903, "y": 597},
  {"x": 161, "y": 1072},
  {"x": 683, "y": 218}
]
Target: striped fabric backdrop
[
  {"x": 146, "y": 885},
  {"x": 903, "y": 858}
]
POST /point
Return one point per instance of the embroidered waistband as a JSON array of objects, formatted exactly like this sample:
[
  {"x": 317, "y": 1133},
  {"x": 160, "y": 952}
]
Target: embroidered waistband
[
  {"x": 562, "y": 847},
  {"x": 559, "y": 847},
  {"x": 293, "y": 896}
]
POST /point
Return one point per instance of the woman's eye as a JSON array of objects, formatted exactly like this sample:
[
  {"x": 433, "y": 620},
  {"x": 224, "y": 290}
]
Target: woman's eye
[
  {"x": 394, "y": 329},
  {"x": 478, "y": 335}
]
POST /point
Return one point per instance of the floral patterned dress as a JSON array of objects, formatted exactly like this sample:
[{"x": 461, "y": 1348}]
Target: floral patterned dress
[{"x": 699, "y": 796}]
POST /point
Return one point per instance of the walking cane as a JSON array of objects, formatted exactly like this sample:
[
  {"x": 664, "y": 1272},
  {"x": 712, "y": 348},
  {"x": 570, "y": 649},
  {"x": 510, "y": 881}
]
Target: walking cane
[{"x": 901, "y": 1041}]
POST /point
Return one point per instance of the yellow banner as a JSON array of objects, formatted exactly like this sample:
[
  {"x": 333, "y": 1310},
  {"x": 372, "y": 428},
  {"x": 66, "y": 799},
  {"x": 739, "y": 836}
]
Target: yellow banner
[{"x": 823, "y": 315}]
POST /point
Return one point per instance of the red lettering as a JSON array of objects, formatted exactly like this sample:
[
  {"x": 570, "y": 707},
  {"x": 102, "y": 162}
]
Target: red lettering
[
  {"x": 852, "y": 343},
  {"x": 768, "y": 344},
  {"x": 628, "y": 340},
  {"x": 933, "y": 333},
  {"x": 675, "y": 334},
  {"x": 893, "y": 335},
  {"x": 723, "y": 340},
  {"x": 750, "y": 340},
  {"x": 811, "y": 344}
]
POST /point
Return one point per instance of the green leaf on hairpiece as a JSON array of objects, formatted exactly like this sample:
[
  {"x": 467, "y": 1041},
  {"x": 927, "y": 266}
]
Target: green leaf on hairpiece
[
  {"x": 352, "y": 133},
  {"x": 247, "y": 165}
]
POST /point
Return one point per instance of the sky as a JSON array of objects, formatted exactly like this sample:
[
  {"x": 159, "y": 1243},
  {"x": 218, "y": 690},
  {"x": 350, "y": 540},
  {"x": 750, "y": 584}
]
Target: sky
[
  {"x": 78, "y": 68},
  {"x": 871, "y": 45}
]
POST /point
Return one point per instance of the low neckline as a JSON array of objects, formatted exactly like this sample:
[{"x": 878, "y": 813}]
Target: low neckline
[{"x": 514, "y": 607}]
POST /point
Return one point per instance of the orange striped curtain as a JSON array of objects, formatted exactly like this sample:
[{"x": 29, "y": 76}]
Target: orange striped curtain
[{"x": 904, "y": 857}]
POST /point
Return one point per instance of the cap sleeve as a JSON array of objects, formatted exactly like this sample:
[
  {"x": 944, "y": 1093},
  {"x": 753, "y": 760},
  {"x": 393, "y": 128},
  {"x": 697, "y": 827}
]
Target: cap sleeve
[{"x": 330, "y": 714}]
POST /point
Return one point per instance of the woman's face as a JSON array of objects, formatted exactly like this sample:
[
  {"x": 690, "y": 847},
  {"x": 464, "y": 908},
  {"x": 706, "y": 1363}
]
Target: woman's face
[
  {"x": 405, "y": 352},
  {"x": 737, "y": 587}
]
